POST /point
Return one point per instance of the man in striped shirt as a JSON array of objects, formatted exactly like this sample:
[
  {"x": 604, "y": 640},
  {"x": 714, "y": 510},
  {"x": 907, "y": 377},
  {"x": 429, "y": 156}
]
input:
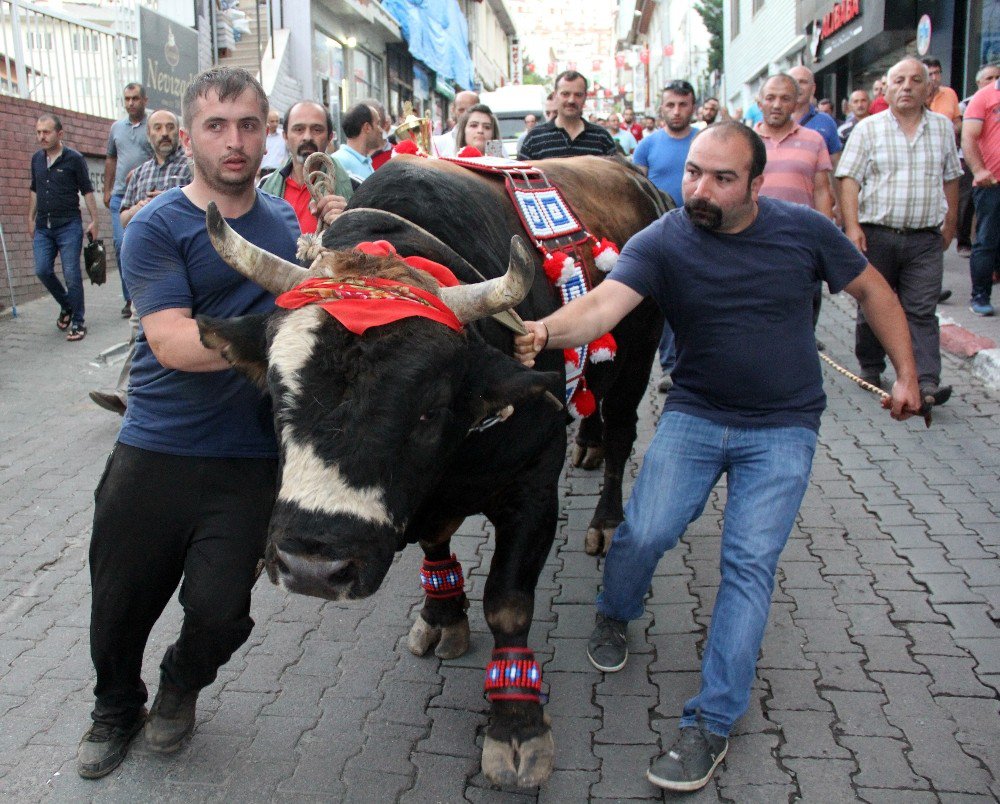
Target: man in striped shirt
[
  {"x": 569, "y": 134},
  {"x": 900, "y": 173},
  {"x": 798, "y": 162}
]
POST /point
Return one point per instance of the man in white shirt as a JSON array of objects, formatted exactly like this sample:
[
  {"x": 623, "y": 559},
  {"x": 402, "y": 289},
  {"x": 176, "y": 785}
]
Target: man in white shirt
[
  {"x": 444, "y": 144},
  {"x": 277, "y": 151}
]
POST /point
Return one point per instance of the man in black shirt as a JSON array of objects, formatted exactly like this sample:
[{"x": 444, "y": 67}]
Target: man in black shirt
[
  {"x": 58, "y": 177},
  {"x": 569, "y": 134}
]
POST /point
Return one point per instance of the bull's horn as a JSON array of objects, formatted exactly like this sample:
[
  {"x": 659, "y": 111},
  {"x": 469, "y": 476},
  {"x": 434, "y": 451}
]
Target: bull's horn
[
  {"x": 471, "y": 302},
  {"x": 272, "y": 273}
]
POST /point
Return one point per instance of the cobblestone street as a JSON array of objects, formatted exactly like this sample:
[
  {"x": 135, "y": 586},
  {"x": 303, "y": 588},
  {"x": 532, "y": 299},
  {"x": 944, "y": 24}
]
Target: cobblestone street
[{"x": 878, "y": 680}]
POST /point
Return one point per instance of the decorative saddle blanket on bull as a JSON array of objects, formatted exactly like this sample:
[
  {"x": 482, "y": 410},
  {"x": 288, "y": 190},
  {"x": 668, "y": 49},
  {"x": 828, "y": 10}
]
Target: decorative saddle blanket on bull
[{"x": 558, "y": 234}]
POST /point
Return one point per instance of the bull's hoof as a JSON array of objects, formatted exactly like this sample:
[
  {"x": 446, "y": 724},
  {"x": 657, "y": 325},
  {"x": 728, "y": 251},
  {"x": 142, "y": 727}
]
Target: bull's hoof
[
  {"x": 588, "y": 457},
  {"x": 526, "y": 764},
  {"x": 599, "y": 539},
  {"x": 454, "y": 640},
  {"x": 422, "y": 636}
]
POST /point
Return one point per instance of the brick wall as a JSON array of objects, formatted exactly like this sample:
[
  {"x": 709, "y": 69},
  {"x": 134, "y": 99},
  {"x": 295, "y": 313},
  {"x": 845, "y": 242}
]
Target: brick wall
[{"x": 84, "y": 133}]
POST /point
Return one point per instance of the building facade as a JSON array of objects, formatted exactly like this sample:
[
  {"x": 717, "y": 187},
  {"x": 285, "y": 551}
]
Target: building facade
[{"x": 850, "y": 43}]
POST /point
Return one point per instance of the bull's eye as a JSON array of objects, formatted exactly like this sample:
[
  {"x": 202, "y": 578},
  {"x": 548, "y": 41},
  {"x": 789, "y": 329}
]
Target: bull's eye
[{"x": 431, "y": 415}]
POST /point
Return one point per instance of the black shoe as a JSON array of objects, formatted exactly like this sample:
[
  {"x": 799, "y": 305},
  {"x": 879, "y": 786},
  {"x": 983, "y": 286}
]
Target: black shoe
[
  {"x": 945, "y": 295},
  {"x": 103, "y": 747},
  {"x": 665, "y": 384},
  {"x": 690, "y": 762},
  {"x": 608, "y": 645},
  {"x": 115, "y": 401},
  {"x": 935, "y": 395},
  {"x": 171, "y": 718},
  {"x": 820, "y": 346},
  {"x": 127, "y": 310}
]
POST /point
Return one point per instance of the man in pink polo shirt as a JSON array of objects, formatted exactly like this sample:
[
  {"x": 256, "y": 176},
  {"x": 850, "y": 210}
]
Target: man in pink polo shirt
[
  {"x": 798, "y": 162},
  {"x": 981, "y": 148}
]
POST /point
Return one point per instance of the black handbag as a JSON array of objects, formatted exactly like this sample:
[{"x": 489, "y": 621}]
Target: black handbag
[{"x": 95, "y": 261}]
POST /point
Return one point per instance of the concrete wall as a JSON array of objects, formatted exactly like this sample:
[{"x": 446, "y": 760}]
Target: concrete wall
[
  {"x": 82, "y": 132},
  {"x": 765, "y": 39}
]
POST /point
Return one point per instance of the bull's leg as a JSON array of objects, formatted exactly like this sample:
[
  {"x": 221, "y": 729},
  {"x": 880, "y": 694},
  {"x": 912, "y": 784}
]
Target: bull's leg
[
  {"x": 518, "y": 749},
  {"x": 638, "y": 337},
  {"x": 588, "y": 447},
  {"x": 443, "y": 621}
]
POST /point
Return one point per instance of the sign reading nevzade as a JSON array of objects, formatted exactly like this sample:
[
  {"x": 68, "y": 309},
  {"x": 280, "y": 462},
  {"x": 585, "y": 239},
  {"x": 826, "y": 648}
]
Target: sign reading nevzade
[{"x": 169, "y": 53}]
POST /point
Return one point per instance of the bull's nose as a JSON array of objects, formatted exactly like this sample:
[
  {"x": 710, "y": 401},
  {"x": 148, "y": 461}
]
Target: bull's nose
[{"x": 316, "y": 576}]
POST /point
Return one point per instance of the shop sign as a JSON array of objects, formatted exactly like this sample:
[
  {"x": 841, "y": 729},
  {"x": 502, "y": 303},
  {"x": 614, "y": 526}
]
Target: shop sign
[
  {"x": 841, "y": 14},
  {"x": 924, "y": 35},
  {"x": 169, "y": 59}
]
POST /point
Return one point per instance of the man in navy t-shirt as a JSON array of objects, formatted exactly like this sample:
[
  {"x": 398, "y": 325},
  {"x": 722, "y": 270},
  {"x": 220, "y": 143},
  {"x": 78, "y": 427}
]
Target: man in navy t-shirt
[
  {"x": 189, "y": 486},
  {"x": 734, "y": 275}
]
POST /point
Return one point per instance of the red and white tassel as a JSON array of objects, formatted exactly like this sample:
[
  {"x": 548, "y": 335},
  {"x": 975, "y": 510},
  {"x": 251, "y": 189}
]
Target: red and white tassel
[
  {"x": 602, "y": 349},
  {"x": 582, "y": 404},
  {"x": 605, "y": 255}
]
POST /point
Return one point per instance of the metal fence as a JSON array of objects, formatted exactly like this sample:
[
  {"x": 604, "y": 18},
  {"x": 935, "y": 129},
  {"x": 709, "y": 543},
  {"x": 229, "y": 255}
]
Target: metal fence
[{"x": 66, "y": 62}]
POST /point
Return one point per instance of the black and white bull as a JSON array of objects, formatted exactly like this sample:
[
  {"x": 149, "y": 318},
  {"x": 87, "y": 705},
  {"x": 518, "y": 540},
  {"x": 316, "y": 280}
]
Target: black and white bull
[{"x": 378, "y": 435}]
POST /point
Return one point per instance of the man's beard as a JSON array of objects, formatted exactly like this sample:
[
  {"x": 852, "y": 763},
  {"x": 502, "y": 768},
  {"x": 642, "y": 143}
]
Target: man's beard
[
  {"x": 678, "y": 126},
  {"x": 212, "y": 175},
  {"x": 704, "y": 214}
]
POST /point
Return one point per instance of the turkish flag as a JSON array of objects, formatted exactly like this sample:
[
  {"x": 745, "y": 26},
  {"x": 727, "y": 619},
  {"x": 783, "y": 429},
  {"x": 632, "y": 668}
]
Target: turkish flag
[
  {"x": 597, "y": 65},
  {"x": 552, "y": 68},
  {"x": 644, "y": 55},
  {"x": 668, "y": 50},
  {"x": 619, "y": 60}
]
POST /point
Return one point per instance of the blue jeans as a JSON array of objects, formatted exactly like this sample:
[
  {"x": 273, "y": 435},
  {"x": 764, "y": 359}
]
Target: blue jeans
[
  {"x": 117, "y": 235},
  {"x": 67, "y": 241},
  {"x": 767, "y": 471},
  {"x": 986, "y": 249},
  {"x": 668, "y": 352}
]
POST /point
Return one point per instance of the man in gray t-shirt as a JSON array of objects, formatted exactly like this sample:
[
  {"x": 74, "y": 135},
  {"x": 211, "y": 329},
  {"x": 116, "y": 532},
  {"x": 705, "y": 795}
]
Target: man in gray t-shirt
[{"x": 128, "y": 147}]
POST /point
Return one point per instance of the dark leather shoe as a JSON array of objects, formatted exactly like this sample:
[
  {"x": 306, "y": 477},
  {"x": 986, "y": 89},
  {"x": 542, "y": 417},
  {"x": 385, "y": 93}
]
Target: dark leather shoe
[
  {"x": 103, "y": 747},
  {"x": 110, "y": 400},
  {"x": 127, "y": 310},
  {"x": 935, "y": 395},
  {"x": 171, "y": 719}
]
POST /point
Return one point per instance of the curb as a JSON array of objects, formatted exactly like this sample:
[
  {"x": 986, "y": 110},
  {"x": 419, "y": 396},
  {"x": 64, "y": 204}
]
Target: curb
[{"x": 965, "y": 344}]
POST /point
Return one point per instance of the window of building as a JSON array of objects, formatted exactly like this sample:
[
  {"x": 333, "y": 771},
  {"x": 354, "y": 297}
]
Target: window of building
[
  {"x": 86, "y": 41},
  {"x": 368, "y": 75},
  {"x": 39, "y": 41},
  {"x": 734, "y": 17}
]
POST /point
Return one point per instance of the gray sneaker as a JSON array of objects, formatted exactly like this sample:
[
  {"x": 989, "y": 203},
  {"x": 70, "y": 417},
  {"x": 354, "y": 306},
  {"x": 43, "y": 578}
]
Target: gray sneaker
[
  {"x": 103, "y": 747},
  {"x": 690, "y": 762},
  {"x": 608, "y": 645}
]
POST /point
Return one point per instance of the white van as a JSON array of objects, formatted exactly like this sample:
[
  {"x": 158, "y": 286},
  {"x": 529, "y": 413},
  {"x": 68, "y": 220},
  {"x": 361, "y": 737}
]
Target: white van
[{"x": 510, "y": 104}]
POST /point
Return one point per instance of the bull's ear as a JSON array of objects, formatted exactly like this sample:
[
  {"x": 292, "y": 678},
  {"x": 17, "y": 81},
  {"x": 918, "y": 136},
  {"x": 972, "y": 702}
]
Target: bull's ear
[
  {"x": 503, "y": 381},
  {"x": 243, "y": 342}
]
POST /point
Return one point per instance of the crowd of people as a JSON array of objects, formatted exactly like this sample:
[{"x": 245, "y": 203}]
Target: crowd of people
[{"x": 768, "y": 207}]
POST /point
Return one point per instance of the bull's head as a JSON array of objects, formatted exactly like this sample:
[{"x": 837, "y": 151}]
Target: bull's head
[{"x": 366, "y": 424}]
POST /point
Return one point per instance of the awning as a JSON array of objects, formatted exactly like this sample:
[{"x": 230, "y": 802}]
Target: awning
[
  {"x": 437, "y": 34},
  {"x": 441, "y": 88}
]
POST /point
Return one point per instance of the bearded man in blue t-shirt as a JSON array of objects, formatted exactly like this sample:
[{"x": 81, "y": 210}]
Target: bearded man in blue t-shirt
[
  {"x": 190, "y": 483},
  {"x": 734, "y": 275}
]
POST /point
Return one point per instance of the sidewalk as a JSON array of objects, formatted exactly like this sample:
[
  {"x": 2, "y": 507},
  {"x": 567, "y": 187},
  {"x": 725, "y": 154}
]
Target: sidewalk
[
  {"x": 878, "y": 680},
  {"x": 963, "y": 333}
]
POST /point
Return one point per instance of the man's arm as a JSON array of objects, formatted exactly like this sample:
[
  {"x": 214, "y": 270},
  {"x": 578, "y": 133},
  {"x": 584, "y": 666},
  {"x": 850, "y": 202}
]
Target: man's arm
[
  {"x": 579, "y": 322},
  {"x": 110, "y": 166},
  {"x": 950, "y": 225},
  {"x": 823, "y": 194},
  {"x": 128, "y": 213},
  {"x": 981, "y": 175},
  {"x": 888, "y": 321},
  {"x": 32, "y": 210},
  {"x": 92, "y": 209},
  {"x": 173, "y": 336},
  {"x": 849, "y": 191}
]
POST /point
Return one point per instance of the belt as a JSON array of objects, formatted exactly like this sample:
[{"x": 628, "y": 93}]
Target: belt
[{"x": 894, "y": 230}]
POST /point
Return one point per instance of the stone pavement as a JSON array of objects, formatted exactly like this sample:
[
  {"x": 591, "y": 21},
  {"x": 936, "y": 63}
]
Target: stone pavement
[{"x": 878, "y": 680}]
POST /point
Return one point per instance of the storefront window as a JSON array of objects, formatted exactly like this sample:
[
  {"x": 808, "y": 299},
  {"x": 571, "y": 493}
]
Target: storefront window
[
  {"x": 367, "y": 75},
  {"x": 421, "y": 90},
  {"x": 328, "y": 74}
]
